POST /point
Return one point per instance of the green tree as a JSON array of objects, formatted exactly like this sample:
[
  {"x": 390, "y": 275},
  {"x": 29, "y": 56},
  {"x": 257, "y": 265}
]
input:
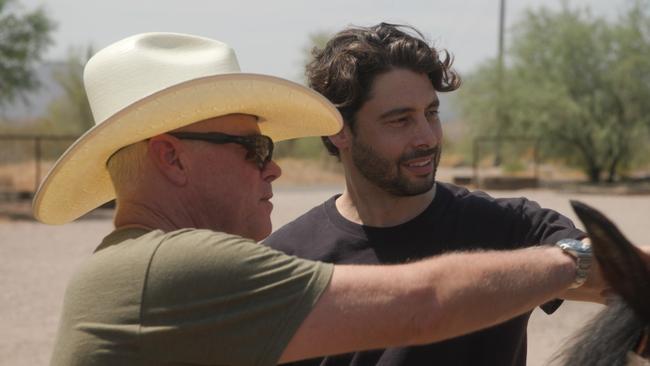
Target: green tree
[
  {"x": 71, "y": 112},
  {"x": 23, "y": 39},
  {"x": 579, "y": 82}
]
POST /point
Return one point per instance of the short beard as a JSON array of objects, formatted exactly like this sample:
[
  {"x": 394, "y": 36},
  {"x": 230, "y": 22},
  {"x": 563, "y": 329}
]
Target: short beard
[{"x": 388, "y": 176}]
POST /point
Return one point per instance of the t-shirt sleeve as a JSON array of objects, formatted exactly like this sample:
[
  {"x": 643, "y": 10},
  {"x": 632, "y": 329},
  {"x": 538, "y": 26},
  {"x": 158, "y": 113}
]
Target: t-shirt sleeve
[
  {"x": 548, "y": 226},
  {"x": 213, "y": 298}
]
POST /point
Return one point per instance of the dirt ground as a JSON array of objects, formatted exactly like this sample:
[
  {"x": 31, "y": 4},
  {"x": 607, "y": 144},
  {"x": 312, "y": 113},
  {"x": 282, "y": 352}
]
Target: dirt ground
[{"x": 37, "y": 261}]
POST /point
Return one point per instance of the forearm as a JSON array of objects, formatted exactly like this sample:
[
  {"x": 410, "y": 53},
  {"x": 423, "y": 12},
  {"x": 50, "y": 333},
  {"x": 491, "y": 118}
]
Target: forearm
[
  {"x": 442, "y": 297},
  {"x": 477, "y": 290}
]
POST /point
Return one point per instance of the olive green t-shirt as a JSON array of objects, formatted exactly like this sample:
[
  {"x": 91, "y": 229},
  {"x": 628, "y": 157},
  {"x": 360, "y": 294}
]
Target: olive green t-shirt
[{"x": 183, "y": 298}]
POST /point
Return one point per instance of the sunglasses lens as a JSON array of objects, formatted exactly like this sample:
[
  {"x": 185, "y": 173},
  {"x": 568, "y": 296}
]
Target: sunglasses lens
[
  {"x": 266, "y": 150},
  {"x": 260, "y": 150}
]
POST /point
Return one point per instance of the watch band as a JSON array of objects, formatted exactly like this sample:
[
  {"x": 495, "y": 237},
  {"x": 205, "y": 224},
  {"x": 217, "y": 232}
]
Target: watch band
[{"x": 582, "y": 254}]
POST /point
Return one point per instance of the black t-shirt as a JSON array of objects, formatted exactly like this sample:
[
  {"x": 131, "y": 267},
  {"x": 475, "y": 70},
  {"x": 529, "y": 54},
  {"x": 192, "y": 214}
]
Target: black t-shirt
[{"x": 456, "y": 220}]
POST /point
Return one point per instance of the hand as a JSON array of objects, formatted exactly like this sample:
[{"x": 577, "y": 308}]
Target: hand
[{"x": 595, "y": 289}]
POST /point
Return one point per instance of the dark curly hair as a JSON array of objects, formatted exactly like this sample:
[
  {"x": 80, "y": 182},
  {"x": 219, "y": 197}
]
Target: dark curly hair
[{"x": 344, "y": 70}]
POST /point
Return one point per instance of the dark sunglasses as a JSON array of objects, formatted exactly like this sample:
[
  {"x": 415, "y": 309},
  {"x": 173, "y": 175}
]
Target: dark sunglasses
[{"x": 259, "y": 147}]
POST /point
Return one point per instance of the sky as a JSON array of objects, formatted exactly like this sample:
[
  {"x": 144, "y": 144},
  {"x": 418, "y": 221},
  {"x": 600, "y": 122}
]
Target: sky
[{"x": 270, "y": 36}]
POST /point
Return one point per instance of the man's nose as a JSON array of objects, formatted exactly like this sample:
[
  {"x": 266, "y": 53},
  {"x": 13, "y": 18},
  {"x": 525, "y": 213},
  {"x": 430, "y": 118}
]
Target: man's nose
[
  {"x": 271, "y": 171},
  {"x": 426, "y": 134}
]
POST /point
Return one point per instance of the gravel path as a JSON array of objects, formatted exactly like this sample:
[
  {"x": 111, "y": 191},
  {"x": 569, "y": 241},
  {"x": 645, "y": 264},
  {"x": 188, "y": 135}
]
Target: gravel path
[{"x": 37, "y": 261}]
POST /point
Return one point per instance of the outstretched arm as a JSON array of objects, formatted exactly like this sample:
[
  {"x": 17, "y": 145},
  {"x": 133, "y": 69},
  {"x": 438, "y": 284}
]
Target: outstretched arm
[{"x": 368, "y": 307}]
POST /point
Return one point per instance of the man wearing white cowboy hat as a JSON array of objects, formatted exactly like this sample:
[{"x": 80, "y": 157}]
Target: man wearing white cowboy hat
[{"x": 181, "y": 143}]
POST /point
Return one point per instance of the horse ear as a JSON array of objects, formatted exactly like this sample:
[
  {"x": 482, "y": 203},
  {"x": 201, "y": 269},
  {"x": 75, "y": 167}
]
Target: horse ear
[{"x": 624, "y": 266}]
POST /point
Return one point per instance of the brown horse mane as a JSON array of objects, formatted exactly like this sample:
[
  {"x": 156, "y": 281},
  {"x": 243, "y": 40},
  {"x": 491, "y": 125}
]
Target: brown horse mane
[{"x": 605, "y": 340}]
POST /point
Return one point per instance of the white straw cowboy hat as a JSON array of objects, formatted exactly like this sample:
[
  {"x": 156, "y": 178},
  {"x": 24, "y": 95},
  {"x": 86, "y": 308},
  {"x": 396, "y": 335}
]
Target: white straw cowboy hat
[{"x": 152, "y": 83}]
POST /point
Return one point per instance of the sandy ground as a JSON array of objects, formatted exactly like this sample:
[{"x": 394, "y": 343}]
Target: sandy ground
[{"x": 37, "y": 260}]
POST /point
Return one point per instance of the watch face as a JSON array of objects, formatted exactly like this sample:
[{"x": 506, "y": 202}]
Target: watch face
[
  {"x": 576, "y": 245},
  {"x": 581, "y": 252}
]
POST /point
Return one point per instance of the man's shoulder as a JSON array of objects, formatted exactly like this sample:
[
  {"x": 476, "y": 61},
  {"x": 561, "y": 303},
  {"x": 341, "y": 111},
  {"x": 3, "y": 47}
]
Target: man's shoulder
[
  {"x": 186, "y": 239},
  {"x": 201, "y": 236},
  {"x": 195, "y": 259},
  {"x": 476, "y": 198},
  {"x": 140, "y": 250},
  {"x": 523, "y": 218},
  {"x": 202, "y": 245},
  {"x": 484, "y": 211}
]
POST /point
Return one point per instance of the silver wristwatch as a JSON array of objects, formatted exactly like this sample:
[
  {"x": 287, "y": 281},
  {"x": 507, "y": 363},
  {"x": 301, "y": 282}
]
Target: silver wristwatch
[{"x": 581, "y": 251}]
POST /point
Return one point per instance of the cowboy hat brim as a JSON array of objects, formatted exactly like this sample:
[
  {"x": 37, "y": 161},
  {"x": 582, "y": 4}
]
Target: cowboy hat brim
[{"x": 79, "y": 181}]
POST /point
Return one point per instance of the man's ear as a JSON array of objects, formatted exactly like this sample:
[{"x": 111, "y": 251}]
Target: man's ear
[
  {"x": 168, "y": 156},
  {"x": 343, "y": 139}
]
